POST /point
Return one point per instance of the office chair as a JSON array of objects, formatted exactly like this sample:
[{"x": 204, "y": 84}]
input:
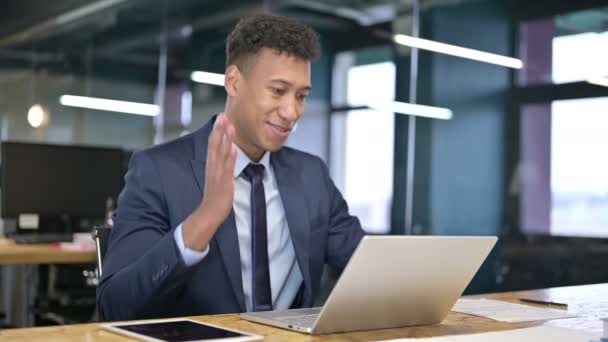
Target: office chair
[
  {"x": 65, "y": 301},
  {"x": 101, "y": 235}
]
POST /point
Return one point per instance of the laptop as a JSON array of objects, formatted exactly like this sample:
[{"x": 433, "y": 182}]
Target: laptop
[{"x": 389, "y": 282}]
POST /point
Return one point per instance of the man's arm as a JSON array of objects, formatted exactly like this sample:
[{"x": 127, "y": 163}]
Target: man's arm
[
  {"x": 345, "y": 230},
  {"x": 143, "y": 267}
]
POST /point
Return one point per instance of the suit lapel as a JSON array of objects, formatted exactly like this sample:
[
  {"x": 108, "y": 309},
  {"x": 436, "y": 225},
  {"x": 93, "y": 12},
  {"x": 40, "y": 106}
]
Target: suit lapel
[
  {"x": 228, "y": 243},
  {"x": 226, "y": 236},
  {"x": 288, "y": 181}
]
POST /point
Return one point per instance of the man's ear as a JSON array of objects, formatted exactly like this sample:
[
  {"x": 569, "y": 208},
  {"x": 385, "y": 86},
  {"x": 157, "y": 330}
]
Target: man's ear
[{"x": 232, "y": 79}]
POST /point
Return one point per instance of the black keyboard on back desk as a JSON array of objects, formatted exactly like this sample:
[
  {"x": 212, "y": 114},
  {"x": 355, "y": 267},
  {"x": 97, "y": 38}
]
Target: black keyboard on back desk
[{"x": 41, "y": 238}]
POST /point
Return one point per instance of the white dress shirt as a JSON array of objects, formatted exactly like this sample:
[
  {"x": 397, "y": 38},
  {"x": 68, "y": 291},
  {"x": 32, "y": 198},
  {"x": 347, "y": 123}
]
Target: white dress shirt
[{"x": 285, "y": 274}]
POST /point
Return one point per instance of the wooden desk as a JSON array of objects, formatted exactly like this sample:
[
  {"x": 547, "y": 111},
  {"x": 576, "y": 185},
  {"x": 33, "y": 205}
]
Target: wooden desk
[
  {"x": 19, "y": 276},
  {"x": 583, "y": 301},
  {"x": 15, "y": 254}
]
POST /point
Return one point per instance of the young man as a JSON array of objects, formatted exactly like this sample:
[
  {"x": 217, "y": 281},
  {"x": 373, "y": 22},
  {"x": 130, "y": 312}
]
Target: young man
[{"x": 226, "y": 219}]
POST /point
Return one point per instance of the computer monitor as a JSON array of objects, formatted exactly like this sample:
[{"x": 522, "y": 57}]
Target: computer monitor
[{"x": 59, "y": 180}]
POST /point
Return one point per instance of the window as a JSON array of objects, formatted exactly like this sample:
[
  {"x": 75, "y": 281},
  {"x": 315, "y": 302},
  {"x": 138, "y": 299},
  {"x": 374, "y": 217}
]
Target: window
[
  {"x": 579, "y": 167},
  {"x": 564, "y": 168},
  {"x": 362, "y": 151},
  {"x": 565, "y": 48},
  {"x": 579, "y": 57}
]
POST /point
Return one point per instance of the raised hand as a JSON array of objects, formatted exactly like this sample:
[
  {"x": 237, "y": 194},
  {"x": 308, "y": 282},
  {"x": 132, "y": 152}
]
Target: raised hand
[{"x": 216, "y": 204}]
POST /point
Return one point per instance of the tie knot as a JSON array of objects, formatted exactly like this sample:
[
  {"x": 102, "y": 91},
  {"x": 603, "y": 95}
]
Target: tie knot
[{"x": 254, "y": 172}]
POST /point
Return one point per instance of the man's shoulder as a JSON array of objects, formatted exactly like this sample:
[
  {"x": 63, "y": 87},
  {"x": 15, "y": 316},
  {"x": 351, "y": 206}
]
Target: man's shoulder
[
  {"x": 294, "y": 156},
  {"x": 181, "y": 148}
]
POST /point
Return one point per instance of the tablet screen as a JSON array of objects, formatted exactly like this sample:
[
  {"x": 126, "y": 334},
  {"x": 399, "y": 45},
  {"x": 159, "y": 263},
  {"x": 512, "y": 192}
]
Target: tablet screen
[{"x": 176, "y": 331}]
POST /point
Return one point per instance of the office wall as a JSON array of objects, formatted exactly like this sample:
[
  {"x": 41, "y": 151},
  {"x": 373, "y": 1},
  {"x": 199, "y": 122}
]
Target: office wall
[
  {"x": 467, "y": 163},
  {"x": 466, "y": 188},
  {"x": 459, "y": 163}
]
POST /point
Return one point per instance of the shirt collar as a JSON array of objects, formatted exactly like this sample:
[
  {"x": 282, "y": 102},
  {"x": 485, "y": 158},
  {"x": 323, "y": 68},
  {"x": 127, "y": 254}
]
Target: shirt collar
[{"x": 242, "y": 161}]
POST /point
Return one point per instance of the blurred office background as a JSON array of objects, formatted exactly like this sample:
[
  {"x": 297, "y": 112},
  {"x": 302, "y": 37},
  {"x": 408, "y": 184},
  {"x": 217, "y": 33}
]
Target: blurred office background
[{"x": 520, "y": 155}]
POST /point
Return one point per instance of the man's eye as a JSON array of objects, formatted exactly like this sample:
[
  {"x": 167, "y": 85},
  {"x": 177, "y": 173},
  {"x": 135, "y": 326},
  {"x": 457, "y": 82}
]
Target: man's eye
[
  {"x": 278, "y": 91},
  {"x": 302, "y": 97}
]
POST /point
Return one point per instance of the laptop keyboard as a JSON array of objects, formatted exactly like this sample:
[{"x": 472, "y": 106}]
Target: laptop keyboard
[{"x": 303, "y": 320}]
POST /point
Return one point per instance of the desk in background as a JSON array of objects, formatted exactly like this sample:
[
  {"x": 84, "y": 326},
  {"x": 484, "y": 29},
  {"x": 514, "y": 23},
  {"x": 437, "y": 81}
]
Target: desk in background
[
  {"x": 15, "y": 254},
  {"x": 19, "y": 273},
  {"x": 582, "y": 300}
]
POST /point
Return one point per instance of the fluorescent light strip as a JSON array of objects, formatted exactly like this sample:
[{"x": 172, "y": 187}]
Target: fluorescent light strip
[
  {"x": 109, "y": 105},
  {"x": 600, "y": 81},
  {"x": 458, "y": 51},
  {"x": 413, "y": 109},
  {"x": 207, "y": 77}
]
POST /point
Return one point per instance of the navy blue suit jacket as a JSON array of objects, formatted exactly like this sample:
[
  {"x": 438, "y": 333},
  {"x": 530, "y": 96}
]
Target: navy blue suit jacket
[{"x": 144, "y": 275}]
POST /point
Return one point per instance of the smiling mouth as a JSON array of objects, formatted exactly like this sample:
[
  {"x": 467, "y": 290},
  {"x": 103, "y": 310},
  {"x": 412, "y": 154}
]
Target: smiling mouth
[
  {"x": 280, "y": 131},
  {"x": 280, "y": 128}
]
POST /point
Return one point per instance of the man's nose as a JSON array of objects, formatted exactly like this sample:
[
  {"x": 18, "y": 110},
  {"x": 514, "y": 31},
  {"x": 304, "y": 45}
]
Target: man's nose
[{"x": 289, "y": 110}]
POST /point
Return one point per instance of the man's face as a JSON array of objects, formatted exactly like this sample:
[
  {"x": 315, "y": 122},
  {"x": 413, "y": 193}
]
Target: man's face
[{"x": 268, "y": 99}]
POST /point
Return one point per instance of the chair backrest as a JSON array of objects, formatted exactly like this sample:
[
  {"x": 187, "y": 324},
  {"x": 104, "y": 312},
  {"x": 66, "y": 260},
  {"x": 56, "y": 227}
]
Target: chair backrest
[{"x": 101, "y": 234}]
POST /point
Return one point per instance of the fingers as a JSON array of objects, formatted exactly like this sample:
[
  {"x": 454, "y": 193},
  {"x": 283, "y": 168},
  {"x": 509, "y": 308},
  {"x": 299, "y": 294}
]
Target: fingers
[
  {"x": 215, "y": 140},
  {"x": 229, "y": 148},
  {"x": 221, "y": 151},
  {"x": 216, "y": 137},
  {"x": 231, "y": 160},
  {"x": 227, "y": 139}
]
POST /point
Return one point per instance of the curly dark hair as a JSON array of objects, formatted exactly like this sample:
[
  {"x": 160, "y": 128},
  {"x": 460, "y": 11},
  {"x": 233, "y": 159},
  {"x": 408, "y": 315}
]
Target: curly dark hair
[{"x": 259, "y": 31}]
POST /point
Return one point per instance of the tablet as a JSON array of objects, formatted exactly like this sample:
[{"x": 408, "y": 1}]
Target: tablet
[{"x": 178, "y": 330}]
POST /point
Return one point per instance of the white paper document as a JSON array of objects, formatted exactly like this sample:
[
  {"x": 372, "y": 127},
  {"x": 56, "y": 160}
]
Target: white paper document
[
  {"x": 535, "y": 334},
  {"x": 507, "y": 312}
]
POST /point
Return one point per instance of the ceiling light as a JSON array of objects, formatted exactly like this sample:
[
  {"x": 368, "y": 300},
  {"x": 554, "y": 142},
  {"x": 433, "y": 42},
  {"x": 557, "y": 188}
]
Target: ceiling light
[
  {"x": 453, "y": 50},
  {"x": 109, "y": 105},
  {"x": 413, "y": 109},
  {"x": 207, "y": 77},
  {"x": 36, "y": 115}
]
